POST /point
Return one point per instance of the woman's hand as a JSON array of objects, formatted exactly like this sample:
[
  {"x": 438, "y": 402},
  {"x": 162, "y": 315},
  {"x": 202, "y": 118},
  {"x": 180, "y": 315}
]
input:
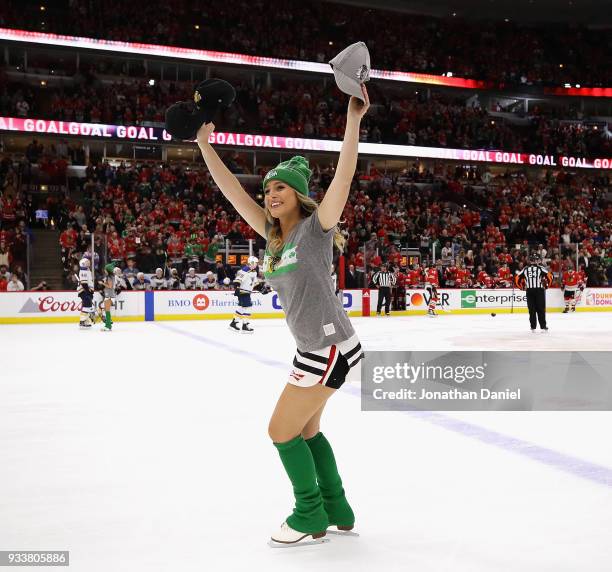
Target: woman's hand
[
  {"x": 204, "y": 133},
  {"x": 357, "y": 108}
]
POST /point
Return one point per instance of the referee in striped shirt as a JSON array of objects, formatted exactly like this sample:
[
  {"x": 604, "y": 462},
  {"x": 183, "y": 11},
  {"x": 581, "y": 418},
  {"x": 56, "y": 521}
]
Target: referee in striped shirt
[
  {"x": 534, "y": 279},
  {"x": 384, "y": 280}
]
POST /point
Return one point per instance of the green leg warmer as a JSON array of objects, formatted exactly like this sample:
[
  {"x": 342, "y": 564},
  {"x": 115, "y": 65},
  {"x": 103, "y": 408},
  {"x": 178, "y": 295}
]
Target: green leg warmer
[
  {"x": 108, "y": 320},
  {"x": 308, "y": 514},
  {"x": 330, "y": 483}
]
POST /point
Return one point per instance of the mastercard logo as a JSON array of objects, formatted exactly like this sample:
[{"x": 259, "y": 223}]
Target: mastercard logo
[
  {"x": 416, "y": 299},
  {"x": 201, "y": 302}
]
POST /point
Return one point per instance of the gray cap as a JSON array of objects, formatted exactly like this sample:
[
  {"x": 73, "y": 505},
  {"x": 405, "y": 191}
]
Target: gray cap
[{"x": 352, "y": 68}]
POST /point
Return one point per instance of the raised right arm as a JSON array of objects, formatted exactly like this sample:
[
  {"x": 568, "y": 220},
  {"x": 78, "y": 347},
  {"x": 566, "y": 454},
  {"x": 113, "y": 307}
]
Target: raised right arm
[{"x": 231, "y": 188}]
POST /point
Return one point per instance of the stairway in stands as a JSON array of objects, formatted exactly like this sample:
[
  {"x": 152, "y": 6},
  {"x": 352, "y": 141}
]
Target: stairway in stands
[{"x": 46, "y": 259}]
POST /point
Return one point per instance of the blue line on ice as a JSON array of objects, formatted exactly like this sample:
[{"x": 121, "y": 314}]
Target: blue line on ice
[{"x": 567, "y": 463}]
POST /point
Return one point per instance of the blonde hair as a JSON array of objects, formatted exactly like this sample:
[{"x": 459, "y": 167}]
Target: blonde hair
[{"x": 307, "y": 207}]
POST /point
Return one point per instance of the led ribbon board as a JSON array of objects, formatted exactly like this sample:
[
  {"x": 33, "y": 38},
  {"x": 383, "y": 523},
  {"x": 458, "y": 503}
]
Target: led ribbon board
[{"x": 246, "y": 140}]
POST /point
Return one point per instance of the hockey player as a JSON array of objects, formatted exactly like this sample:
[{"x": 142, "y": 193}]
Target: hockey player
[
  {"x": 192, "y": 280},
  {"x": 211, "y": 281},
  {"x": 481, "y": 276},
  {"x": 85, "y": 292},
  {"x": 463, "y": 277},
  {"x": 570, "y": 285},
  {"x": 504, "y": 276},
  {"x": 488, "y": 282},
  {"x": 450, "y": 275},
  {"x": 174, "y": 282},
  {"x": 334, "y": 277},
  {"x": 414, "y": 277},
  {"x": 245, "y": 280},
  {"x": 582, "y": 282},
  {"x": 158, "y": 282},
  {"x": 120, "y": 282},
  {"x": 264, "y": 289},
  {"x": 141, "y": 282},
  {"x": 432, "y": 283}
]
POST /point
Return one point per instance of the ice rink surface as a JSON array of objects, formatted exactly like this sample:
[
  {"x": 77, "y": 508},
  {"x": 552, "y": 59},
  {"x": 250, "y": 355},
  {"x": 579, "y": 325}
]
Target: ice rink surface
[{"x": 147, "y": 449}]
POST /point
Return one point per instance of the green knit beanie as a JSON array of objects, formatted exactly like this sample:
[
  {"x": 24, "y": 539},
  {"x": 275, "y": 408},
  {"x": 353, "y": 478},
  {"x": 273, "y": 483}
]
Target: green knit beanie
[{"x": 295, "y": 172}]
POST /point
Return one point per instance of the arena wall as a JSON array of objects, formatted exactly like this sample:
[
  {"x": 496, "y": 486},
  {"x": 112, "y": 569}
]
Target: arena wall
[{"x": 64, "y": 306}]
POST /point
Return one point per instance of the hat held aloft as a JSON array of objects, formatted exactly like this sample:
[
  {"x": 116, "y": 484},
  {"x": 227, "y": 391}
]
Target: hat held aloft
[{"x": 184, "y": 118}]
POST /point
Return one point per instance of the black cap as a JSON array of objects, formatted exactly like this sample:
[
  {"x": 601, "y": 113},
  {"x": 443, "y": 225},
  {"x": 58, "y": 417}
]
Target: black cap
[
  {"x": 212, "y": 94},
  {"x": 183, "y": 119}
]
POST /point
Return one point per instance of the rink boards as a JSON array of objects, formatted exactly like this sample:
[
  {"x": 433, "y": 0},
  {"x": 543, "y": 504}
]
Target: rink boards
[{"x": 64, "y": 306}]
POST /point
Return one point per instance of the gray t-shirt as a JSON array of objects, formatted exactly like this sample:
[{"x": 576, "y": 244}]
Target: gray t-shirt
[{"x": 301, "y": 276}]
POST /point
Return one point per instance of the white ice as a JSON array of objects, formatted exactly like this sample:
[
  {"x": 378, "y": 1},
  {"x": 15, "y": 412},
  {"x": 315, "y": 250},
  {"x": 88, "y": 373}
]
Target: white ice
[{"x": 147, "y": 449}]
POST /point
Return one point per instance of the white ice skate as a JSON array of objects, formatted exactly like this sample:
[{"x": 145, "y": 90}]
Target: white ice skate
[{"x": 287, "y": 537}]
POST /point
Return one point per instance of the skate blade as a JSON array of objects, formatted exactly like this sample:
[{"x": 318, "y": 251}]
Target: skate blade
[
  {"x": 342, "y": 532},
  {"x": 274, "y": 544}
]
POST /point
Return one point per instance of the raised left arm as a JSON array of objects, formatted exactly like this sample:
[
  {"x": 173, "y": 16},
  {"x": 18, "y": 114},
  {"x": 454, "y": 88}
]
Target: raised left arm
[{"x": 331, "y": 207}]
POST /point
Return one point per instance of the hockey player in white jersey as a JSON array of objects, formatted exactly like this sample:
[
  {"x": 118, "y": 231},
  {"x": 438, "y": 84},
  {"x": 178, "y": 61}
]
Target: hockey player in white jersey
[
  {"x": 141, "y": 282},
  {"x": 174, "y": 282},
  {"x": 85, "y": 291},
  {"x": 158, "y": 282},
  {"x": 245, "y": 281},
  {"x": 210, "y": 283},
  {"x": 192, "y": 280}
]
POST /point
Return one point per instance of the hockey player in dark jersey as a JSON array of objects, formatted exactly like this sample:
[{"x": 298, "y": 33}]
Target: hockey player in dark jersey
[
  {"x": 570, "y": 285},
  {"x": 432, "y": 283}
]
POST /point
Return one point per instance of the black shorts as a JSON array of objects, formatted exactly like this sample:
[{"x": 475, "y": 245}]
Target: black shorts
[
  {"x": 86, "y": 298},
  {"x": 244, "y": 300},
  {"x": 331, "y": 366},
  {"x": 569, "y": 294}
]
